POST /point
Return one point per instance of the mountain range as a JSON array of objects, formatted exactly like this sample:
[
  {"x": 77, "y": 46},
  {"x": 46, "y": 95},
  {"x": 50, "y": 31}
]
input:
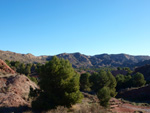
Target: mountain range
[{"x": 79, "y": 60}]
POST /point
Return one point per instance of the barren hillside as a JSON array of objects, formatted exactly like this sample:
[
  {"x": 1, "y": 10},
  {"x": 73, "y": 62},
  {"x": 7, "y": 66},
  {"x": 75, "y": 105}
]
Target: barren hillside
[{"x": 79, "y": 60}]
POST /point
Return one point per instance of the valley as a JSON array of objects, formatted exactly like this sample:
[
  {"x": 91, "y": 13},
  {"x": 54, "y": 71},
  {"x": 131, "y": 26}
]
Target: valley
[{"x": 15, "y": 85}]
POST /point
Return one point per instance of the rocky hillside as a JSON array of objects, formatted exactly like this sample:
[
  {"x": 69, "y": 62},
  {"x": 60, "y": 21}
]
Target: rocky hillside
[
  {"x": 14, "y": 90},
  {"x": 26, "y": 58},
  {"x": 142, "y": 63},
  {"x": 79, "y": 60},
  {"x": 4, "y": 68}
]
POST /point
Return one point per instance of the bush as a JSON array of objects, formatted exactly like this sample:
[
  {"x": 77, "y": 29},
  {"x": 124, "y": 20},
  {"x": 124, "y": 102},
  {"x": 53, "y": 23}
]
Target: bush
[
  {"x": 33, "y": 79},
  {"x": 104, "y": 96}
]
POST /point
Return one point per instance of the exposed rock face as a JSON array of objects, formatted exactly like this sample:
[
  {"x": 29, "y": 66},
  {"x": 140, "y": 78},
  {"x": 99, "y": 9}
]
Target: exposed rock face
[
  {"x": 4, "y": 68},
  {"x": 14, "y": 91},
  {"x": 12, "y": 100},
  {"x": 79, "y": 60}
]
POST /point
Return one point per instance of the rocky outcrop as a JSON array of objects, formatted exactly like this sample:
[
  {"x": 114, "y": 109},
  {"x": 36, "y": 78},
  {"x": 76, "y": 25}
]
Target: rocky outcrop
[
  {"x": 14, "y": 91},
  {"x": 4, "y": 68},
  {"x": 14, "y": 88},
  {"x": 77, "y": 60}
]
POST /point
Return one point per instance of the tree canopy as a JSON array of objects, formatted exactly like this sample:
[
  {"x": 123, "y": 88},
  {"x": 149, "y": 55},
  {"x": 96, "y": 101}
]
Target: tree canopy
[
  {"x": 59, "y": 83},
  {"x": 103, "y": 83},
  {"x": 84, "y": 82},
  {"x": 104, "y": 96},
  {"x": 138, "y": 80}
]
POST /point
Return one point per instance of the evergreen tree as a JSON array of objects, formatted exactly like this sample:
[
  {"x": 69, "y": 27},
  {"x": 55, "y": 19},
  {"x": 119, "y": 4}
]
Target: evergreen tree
[
  {"x": 128, "y": 70},
  {"x": 59, "y": 83},
  {"x": 84, "y": 82},
  {"x": 7, "y": 62},
  {"x": 120, "y": 81},
  {"x": 99, "y": 80},
  {"x": 104, "y": 83},
  {"x": 27, "y": 69},
  {"x": 112, "y": 84},
  {"x": 33, "y": 79},
  {"x": 104, "y": 96},
  {"x": 138, "y": 80},
  {"x": 119, "y": 68},
  {"x": 128, "y": 81},
  {"x": 21, "y": 69}
]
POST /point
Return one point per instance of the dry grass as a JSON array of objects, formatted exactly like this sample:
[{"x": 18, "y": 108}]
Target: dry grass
[
  {"x": 94, "y": 108},
  {"x": 89, "y": 104},
  {"x": 59, "y": 109}
]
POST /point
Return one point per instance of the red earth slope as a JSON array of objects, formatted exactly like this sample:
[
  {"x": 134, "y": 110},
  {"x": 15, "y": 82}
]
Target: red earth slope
[
  {"x": 14, "y": 89},
  {"x": 4, "y": 68}
]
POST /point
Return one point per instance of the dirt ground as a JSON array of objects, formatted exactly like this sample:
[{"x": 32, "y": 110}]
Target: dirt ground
[
  {"x": 116, "y": 106},
  {"x": 120, "y": 106}
]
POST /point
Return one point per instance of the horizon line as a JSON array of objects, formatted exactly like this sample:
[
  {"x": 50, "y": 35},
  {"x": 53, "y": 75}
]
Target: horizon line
[{"x": 74, "y": 53}]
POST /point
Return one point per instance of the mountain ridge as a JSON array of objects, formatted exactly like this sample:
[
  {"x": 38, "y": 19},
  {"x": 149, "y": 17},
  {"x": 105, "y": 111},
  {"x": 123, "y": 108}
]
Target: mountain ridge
[{"x": 79, "y": 60}]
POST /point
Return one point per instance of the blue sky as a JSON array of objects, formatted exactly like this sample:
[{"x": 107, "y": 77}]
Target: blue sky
[{"x": 50, "y": 27}]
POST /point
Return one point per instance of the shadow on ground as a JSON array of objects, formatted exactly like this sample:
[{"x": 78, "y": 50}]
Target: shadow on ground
[{"x": 14, "y": 109}]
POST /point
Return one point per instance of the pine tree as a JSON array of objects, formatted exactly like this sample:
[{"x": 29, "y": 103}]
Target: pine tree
[
  {"x": 59, "y": 83},
  {"x": 99, "y": 80},
  {"x": 112, "y": 84},
  {"x": 104, "y": 96},
  {"x": 138, "y": 80},
  {"x": 84, "y": 82}
]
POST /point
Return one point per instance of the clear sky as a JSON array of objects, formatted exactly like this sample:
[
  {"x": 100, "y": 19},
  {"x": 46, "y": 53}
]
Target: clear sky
[{"x": 50, "y": 27}]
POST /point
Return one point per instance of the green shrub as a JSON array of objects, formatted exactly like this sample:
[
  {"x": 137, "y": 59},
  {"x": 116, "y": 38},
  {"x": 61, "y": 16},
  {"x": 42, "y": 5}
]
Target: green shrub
[
  {"x": 33, "y": 79},
  {"x": 104, "y": 96}
]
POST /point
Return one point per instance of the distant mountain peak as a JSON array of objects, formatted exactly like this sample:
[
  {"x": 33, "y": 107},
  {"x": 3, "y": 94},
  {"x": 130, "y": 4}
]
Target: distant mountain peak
[
  {"x": 30, "y": 54},
  {"x": 77, "y": 53},
  {"x": 79, "y": 60}
]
